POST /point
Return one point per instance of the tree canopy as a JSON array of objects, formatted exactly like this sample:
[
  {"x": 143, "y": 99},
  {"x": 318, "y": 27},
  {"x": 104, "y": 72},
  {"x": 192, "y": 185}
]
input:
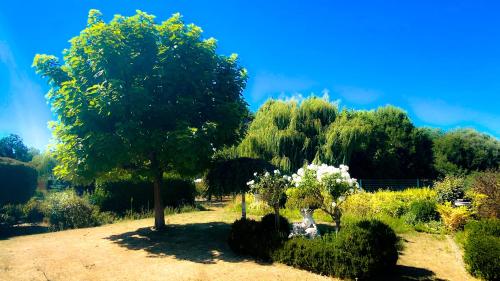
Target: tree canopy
[
  {"x": 143, "y": 98},
  {"x": 12, "y": 146}
]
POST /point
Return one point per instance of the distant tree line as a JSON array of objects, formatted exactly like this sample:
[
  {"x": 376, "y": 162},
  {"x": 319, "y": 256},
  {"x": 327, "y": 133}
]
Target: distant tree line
[{"x": 380, "y": 143}]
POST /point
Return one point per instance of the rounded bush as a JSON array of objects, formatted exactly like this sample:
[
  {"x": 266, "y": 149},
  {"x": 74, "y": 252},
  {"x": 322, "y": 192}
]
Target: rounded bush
[
  {"x": 67, "y": 210},
  {"x": 422, "y": 211},
  {"x": 33, "y": 211},
  {"x": 18, "y": 181},
  {"x": 367, "y": 250},
  {"x": 258, "y": 239},
  {"x": 482, "y": 248}
]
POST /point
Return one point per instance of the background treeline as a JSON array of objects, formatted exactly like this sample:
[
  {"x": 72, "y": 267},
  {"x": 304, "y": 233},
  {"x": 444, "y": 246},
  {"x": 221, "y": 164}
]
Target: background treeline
[{"x": 375, "y": 144}]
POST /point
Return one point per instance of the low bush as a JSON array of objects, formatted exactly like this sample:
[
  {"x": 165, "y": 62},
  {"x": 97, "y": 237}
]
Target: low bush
[
  {"x": 123, "y": 196},
  {"x": 421, "y": 211},
  {"x": 450, "y": 189},
  {"x": 18, "y": 181},
  {"x": 482, "y": 249},
  {"x": 365, "y": 250},
  {"x": 67, "y": 210},
  {"x": 454, "y": 218},
  {"x": 258, "y": 239},
  {"x": 393, "y": 203},
  {"x": 11, "y": 214},
  {"x": 33, "y": 211}
]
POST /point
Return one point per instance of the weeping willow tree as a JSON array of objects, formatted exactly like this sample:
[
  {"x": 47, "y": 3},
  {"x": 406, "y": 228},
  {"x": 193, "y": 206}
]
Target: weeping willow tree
[{"x": 289, "y": 134}]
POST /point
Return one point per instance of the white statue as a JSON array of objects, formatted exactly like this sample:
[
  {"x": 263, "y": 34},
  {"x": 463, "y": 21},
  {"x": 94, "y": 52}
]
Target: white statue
[{"x": 307, "y": 227}]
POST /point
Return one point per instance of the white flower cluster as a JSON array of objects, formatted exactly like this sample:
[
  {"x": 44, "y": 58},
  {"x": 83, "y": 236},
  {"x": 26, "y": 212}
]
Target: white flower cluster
[
  {"x": 321, "y": 171},
  {"x": 267, "y": 174}
]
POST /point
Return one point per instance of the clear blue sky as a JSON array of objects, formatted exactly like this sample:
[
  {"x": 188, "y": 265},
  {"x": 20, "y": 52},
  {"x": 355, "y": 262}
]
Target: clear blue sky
[{"x": 439, "y": 60}]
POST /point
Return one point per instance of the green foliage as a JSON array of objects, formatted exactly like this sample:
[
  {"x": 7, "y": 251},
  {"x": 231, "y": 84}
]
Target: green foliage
[
  {"x": 126, "y": 195},
  {"x": 366, "y": 250},
  {"x": 288, "y": 134},
  {"x": 482, "y": 248},
  {"x": 33, "y": 210},
  {"x": 465, "y": 150},
  {"x": 11, "y": 214},
  {"x": 258, "y": 239},
  {"x": 450, "y": 189},
  {"x": 486, "y": 188},
  {"x": 18, "y": 181},
  {"x": 422, "y": 211},
  {"x": 66, "y": 210},
  {"x": 12, "y": 146},
  {"x": 44, "y": 163},
  {"x": 231, "y": 176}
]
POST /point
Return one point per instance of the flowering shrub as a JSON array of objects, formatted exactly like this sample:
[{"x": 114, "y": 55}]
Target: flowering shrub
[
  {"x": 270, "y": 187},
  {"x": 322, "y": 187}
]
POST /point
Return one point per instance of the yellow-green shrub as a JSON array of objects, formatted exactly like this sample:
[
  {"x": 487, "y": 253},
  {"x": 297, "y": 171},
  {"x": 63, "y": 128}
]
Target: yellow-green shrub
[
  {"x": 453, "y": 218},
  {"x": 393, "y": 203}
]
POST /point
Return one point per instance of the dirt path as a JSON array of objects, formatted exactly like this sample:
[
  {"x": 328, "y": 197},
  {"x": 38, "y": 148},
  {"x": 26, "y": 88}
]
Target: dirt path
[{"x": 193, "y": 248}]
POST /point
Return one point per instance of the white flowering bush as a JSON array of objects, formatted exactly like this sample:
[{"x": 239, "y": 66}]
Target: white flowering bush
[
  {"x": 271, "y": 189},
  {"x": 321, "y": 187}
]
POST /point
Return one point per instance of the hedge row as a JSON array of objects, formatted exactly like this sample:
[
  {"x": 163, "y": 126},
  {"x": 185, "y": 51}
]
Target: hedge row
[
  {"x": 122, "y": 196},
  {"x": 17, "y": 181}
]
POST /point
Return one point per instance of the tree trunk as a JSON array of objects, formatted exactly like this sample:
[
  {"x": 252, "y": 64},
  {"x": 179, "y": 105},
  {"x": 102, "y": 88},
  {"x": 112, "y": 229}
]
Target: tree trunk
[
  {"x": 159, "y": 214},
  {"x": 277, "y": 218},
  {"x": 336, "y": 217},
  {"x": 243, "y": 206}
]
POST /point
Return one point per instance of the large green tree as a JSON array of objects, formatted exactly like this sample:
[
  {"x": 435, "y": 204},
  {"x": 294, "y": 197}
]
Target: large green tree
[
  {"x": 143, "y": 98},
  {"x": 465, "y": 150},
  {"x": 12, "y": 146}
]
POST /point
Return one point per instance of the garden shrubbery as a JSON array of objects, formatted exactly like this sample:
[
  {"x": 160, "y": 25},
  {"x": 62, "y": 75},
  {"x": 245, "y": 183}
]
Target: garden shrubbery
[
  {"x": 258, "y": 238},
  {"x": 365, "y": 250},
  {"x": 422, "y": 211},
  {"x": 123, "y": 196},
  {"x": 18, "y": 181},
  {"x": 482, "y": 248},
  {"x": 68, "y": 210}
]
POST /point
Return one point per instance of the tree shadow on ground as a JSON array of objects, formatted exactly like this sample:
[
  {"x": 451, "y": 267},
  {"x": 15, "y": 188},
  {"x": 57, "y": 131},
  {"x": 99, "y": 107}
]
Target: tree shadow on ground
[
  {"x": 410, "y": 273},
  {"x": 7, "y": 232},
  {"x": 196, "y": 242}
]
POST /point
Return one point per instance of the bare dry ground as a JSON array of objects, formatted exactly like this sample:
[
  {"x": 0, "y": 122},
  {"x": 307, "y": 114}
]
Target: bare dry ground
[{"x": 193, "y": 248}]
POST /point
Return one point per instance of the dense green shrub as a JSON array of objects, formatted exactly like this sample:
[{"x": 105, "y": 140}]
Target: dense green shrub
[
  {"x": 258, "y": 239},
  {"x": 123, "y": 196},
  {"x": 33, "y": 211},
  {"x": 67, "y": 210},
  {"x": 422, "y": 211},
  {"x": 450, "y": 189},
  {"x": 11, "y": 214},
  {"x": 18, "y": 181},
  {"x": 482, "y": 249},
  {"x": 365, "y": 250}
]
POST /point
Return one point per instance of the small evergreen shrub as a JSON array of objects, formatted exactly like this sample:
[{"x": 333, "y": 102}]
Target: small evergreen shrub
[
  {"x": 421, "y": 211},
  {"x": 67, "y": 210},
  {"x": 18, "y": 181},
  {"x": 366, "y": 250},
  {"x": 482, "y": 249},
  {"x": 258, "y": 239},
  {"x": 33, "y": 210}
]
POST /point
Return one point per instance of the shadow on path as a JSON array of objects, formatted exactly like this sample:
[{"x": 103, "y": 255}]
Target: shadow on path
[
  {"x": 196, "y": 242},
  {"x": 410, "y": 273},
  {"x": 7, "y": 232}
]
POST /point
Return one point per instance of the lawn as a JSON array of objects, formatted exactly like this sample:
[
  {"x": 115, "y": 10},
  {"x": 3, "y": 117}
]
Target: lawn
[{"x": 192, "y": 248}]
